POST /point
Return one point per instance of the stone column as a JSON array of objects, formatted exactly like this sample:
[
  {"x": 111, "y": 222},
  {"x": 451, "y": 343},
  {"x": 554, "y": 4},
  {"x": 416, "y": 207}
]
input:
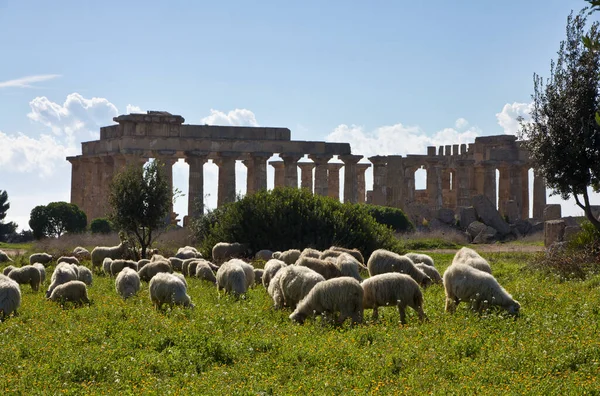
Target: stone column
[
  {"x": 379, "y": 179},
  {"x": 226, "y": 164},
  {"x": 333, "y": 176},
  {"x": 107, "y": 169},
  {"x": 394, "y": 182},
  {"x": 249, "y": 175},
  {"x": 259, "y": 172},
  {"x": 489, "y": 183},
  {"x": 409, "y": 185},
  {"x": 525, "y": 192},
  {"x": 539, "y": 195},
  {"x": 93, "y": 205},
  {"x": 351, "y": 177},
  {"x": 503, "y": 188},
  {"x": 168, "y": 161},
  {"x": 78, "y": 181},
  {"x": 306, "y": 175},
  {"x": 360, "y": 174},
  {"x": 290, "y": 163},
  {"x": 478, "y": 180},
  {"x": 196, "y": 161},
  {"x": 279, "y": 173},
  {"x": 516, "y": 186},
  {"x": 434, "y": 185},
  {"x": 321, "y": 178},
  {"x": 463, "y": 196}
]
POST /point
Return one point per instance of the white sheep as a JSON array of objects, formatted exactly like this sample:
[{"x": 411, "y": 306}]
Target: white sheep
[
  {"x": 10, "y": 297},
  {"x": 181, "y": 277},
  {"x": 117, "y": 266},
  {"x": 120, "y": 251},
  {"x": 289, "y": 256},
  {"x": 74, "y": 291},
  {"x": 26, "y": 275},
  {"x": 248, "y": 271},
  {"x": 224, "y": 251},
  {"x": 63, "y": 273},
  {"x": 127, "y": 283},
  {"x": 43, "y": 258},
  {"x": 204, "y": 272},
  {"x": 106, "y": 263},
  {"x": 325, "y": 268},
  {"x": 158, "y": 257},
  {"x": 383, "y": 261},
  {"x": 343, "y": 295},
  {"x": 396, "y": 289},
  {"x": 291, "y": 284},
  {"x": 151, "y": 269},
  {"x": 176, "y": 263},
  {"x": 191, "y": 267},
  {"x": 85, "y": 275},
  {"x": 231, "y": 277},
  {"x": 471, "y": 258},
  {"x": 167, "y": 288},
  {"x": 430, "y": 272},
  {"x": 42, "y": 270},
  {"x": 141, "y": 263},
  {"x": 271, "y": 268},
  {"x": 349, "y": 266},
  {"x": 330, "y": 253},
  {"x": 187, "y": 252},
  {"x": 82, "y": 253},
  {"x": 258, "y": 274},
  {"x": 420, "y": 258},
  {"x": 68, "y": 259},
  {"x": 310, "y": 252},
  {"x": 7, "y": 269},
  {"x": 264, "y": 255},
  {"x": 353, "y": 252},
  {"x": 481, "y": 289},
  {"x": 4, "y": 258}
]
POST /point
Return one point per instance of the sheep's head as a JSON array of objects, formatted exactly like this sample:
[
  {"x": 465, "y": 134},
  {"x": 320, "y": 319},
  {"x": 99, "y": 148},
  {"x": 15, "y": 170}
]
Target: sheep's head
[
  {"x": 426, "y": 282},
  {"x": 514, "y": 308},
  {"x": 298, "y": 316}
]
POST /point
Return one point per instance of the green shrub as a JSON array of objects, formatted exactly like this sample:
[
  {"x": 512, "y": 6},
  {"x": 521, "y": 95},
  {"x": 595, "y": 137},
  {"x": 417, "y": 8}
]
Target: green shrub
[
  {"x": 101, "y": 225},
  {"x": 290, "y": 218},
  {"x": 391, "y": 217}
]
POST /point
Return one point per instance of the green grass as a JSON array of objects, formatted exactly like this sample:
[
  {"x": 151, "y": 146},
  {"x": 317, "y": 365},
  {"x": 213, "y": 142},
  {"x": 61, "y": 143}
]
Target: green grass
[
  {"x": 26, "y": 245},
  {"x": 232, "y": 347}
]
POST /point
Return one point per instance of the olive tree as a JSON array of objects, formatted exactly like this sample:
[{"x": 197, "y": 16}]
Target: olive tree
[{"x": 56, "y": 218}]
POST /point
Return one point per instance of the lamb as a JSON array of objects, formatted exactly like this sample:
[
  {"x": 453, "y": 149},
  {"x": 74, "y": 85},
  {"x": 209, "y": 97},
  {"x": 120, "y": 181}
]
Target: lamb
[
  {"x": 393, "y": 288},
  {"x": 10, "y": 297},
  {"x": 167, "y": 288},
  {"x": 153, "y": 268},
  {"x": 42, "y": 270},
  {"x": 68, "y": 259},
  {"x": 465, "y": 283},
  {"x": 349, "y": 266},
  {"x": 4, "y": 258},
  {"x": 353, "y": 252},
  {"x": 42, "y": 258},
  {"x": 258, "y": 274},
  {"x": 325, "y": 268},
  {"x": 141, "y": 263},
  {"x": 191, "y": 268},
  {"x": 120, "y": 251},
  {"x": 248, "y": 271},
  {"x": 289, "y": 256},
  {"x": 430, "y": 272},
  {"x": 471, "y": 258},
  {"x": 82, "y": 253},
  {"x": 343, "y": 295},
  {"x": 176, "y": 263},
  {"x": 224, "y": 251},
  {"x": 264, "y": 255},
  {"x": 85, "y": 275},
  {"x": 63, "y": 273},
  {"x": 7, "y": 269},
  {"x": 310, "y": 252},
  {"x": 187, "y": 252},
  {"x": 291, "y": 284},
  {"x": 127, "y": 283},
  {"x": 271, "y": 268},
  {"x": 203, "y": 271},
  {"x": 26, "y": 275},
  {"x": 232, "y": 278},
  {"x": 420, "y": 258},
  {"x": 117, "y": 266},
  {"x": 74, "y": 291},
  {"x": 382, "y": 261},
  {"x": 106, "y": 263}
]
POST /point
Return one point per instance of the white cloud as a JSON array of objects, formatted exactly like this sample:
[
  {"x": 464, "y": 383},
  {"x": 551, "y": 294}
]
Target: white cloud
[
  {"x": 507, "y": 118},
  {"x": 461, "y": 123},
  {"x": 25, "y": 82},
  {"x": 133, "y": 109},
  {"x": 237, "y": 117}
]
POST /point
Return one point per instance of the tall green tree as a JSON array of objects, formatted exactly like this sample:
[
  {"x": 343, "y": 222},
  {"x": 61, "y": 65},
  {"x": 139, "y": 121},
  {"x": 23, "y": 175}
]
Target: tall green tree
[
  {"x": 6, "y": 229},
  {"x": 56, "y": 218},
  {"x": 563, "y": 136},
  {"x": 140, "y": 199}
]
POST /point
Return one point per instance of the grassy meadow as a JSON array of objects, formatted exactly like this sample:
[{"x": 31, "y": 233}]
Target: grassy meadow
[{"x": 230, "y": 347}]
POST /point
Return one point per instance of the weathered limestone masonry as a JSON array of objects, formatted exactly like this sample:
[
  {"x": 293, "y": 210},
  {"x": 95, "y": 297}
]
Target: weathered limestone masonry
[
  {"x": 457, "y": 173},
  {"x": 139, "y": 137}
]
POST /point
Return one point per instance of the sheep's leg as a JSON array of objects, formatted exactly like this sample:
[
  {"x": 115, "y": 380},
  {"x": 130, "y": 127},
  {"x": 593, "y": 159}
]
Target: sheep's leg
[
  {"x": 422, "y": 316},
  {"x": 402, "y": 311},
  {"x": 451, "y": 305},
  {"x": 375, "y": 313},
  {"x": 357, "y": 317}
]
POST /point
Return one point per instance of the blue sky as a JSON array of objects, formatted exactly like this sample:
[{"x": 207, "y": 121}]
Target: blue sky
[{"x": 389, "y": 76}]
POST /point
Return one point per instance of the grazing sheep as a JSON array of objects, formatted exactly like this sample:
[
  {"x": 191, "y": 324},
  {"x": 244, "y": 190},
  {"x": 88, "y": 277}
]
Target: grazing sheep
[
  {"x": 232, "y": 278},
  {"x": 393, "y": 288},
  {"x": 120, "y": 251},
  {"x": 470, "y": 257},
  {"x": 158, "y": 257},
  {"x": 310, "y": 252},
  {"x": 430, "y": 272},
  {"x": 420, "y": 258},
  {"x": 85, "y": 275},
  {"x": 63, "y": 273},
  {"x": 271, "y": 268},
  {"x": 75, "y": 291},
  {"x": 349, "y": 266},
  {"x": 141, "y": 263},
  {"x": 26, "y": 275},
  {"x": 204, "y": 272},
  {"x": 258, "y": 274},
  {"x": 353, "y": 252},
  {"x": 176, "y": 263},
  {"x": 117, "y": 266},
  {"x": 10, "y": 297},
  {"x": 106, "y": 263},
  {"x": 75, "y": 268},
  {"x": 325, "y": 268},
  {"x": 42, "y": 270},
  {"x": 264, "y": 255},
  {"x": 7, "y": 269},
  {"x": 291, "y": 284},
  {"x": 4, "y": 258},
  {"x": 187, "y": 252},
  {"x": 43, "y": 258},
  {"x": 68, "y": 259},
  {"x": 82, "y": 253},
  {"x": 127, "y": 283},
  {"x": 382, "y": 261},
  {"x": 224, "y": 251},
  {"x": 191, "y": 268},
  {"x": 330, "y": 253},
  {"x": 151, "y": 269},
  {"x": 248, "y": 271},
  {"x": 169, "y": 289},
  {"x": 465, "y": 283},
  {"x": 180, "y": 276},
  {"x": 289, "y": 256},
  {"x": 343, "y": 295}
]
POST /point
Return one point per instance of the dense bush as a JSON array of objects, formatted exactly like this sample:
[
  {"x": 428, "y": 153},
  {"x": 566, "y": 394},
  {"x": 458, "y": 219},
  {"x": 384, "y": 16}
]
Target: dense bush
[
  {"x": 291, "y": 218},
  {"x": 57, "y": 218},
  {"x": 391, "y": 217},
  {"x": 101, "y": 225}
]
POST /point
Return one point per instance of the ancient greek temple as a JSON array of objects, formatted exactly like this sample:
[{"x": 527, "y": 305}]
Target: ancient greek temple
[{"x": 454, "y": 173}]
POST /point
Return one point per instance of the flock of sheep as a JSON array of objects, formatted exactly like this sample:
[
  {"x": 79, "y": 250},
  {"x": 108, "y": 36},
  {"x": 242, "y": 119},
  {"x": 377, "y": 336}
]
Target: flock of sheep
[{"x": 308, "y": 282}]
